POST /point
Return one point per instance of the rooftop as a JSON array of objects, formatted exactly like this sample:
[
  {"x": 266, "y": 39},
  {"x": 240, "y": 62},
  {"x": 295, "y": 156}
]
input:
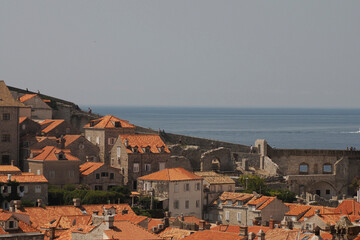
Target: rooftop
[
  {"x": 142, "y": 141},
  {"x": 215, "y": 178},
  {"x": 50, "y": 153},
  {"x": 89, "y": 167},
  {"x": 24, "y": 178},
  {"x": 6, "y": 98},
  {"x": 214, "y": 235},
  {"x": 49, "y": 124},
  {"x": 27, "y": 97},
  {"x": 127, "y": 230},
  {"x": 171, "y": 174},
  {"x": 109, "y": 121}
]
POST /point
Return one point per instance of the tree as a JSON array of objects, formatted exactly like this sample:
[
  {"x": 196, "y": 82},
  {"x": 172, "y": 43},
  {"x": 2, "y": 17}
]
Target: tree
[
  {"x": 253, "y": 183},
  {"x": 283, "y": 195}
]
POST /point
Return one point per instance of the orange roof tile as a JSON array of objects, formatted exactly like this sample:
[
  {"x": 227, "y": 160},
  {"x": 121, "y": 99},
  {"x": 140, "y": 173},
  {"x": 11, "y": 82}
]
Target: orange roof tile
[
  {"x": 143, "y": 140},
  {"x": 297, "y": 209},
  {"x": 21, "y": 119},
  {"x": 4, "y": 216},
  {"x": 127, "y": 230},
  {"x": 236, "y": 228},
  {"x": 22, "y": 227},
  {"x": 171, "y": 174},
  {"x": 154, "y": 222},
  {"x": 108, "y": 121},
  {"x": 311, "y": 211},
  {"x": 174, "y": 233},
  {"x": 25, "y": 178},
  {"x": 48, "y": 153},
  {"x": 130, "y": 217},
  {"x": 89, "y": 167},
  {"x": 70, "y": 139},
  {"x": 9, "y": 168},
  {"x": 6, "y": 98},
  {"x": 214, "y": 235},
  {"x": 349, "y": 206},
  {"x": 49, "y": 124},
  {"x": 261, "y": 202},
  {"x": 286, "y": 234},
  {"x": 66, "y": 222},
  {"x": 234, "y": 197},
  {"x": 27, "y": 97}
]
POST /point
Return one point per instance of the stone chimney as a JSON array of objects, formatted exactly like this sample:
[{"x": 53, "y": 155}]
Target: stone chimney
[
  {"x": 12, "y": 162},
  {"x": 261, "y": 235},
  {"x": 182, "y": 217},
  {"x": 39, "y": 202},
  {"x": 317, "y": 212},
  {"x": 109, "y": 221},
  {"x": 271, "y": 223},
  {"x": 202, "y": 225},
  {"x": 52, "y": 233},
  {"x": 76, "y": 202},
  {"x": 126, "y": 142},
  {"x": 17, "y": 205},
  {"x": 243, "y": 231},
  {"x": 9, "y": 177},
  {"x": 166, "y": 220},
  {"x": 251, "y": 236}
]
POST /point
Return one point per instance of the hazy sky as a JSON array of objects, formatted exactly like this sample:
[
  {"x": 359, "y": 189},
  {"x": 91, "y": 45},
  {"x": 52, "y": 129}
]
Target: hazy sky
[{"x": 184, "y": 53}]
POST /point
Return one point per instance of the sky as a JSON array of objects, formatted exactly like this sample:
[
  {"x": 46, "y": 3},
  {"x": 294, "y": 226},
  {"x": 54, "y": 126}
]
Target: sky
[{"x": 184, "y": 53}]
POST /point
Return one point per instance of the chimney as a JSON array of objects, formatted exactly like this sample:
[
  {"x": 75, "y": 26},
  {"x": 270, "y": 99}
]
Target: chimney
[
  {"x": 12, "y": 162},
  {"x": 17, "y": 205},
  {"x": 76, "y": 202},
  {"x": 39, "y": 202},
  {"x": 202, "y": 225},
  {"x": 9, "y": 177},
  {"x": 62, "y": 142},
  {"x": 317, "y": 212},
  {"x": 126, "y": 142},
  {"x": 251, "y": 236},
  {"x": 261, "y": 235},
  {"x": 109, "y": 221},
  {"x": 271, "y": 223},
  {"x": 243, "y": 231},
  {"x": 182, "y": 217},
  {"x": 52, "y": 233},
  {"x": 166, "y": 220}
]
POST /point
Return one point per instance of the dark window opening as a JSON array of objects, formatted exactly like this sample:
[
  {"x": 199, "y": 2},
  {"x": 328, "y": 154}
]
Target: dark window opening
[
  {"x": 318, "y": 192},
  {"x": 5, "y": 160},
  {"x": 97, "y": 176},
  {"x": 134, "y": 184},
  {"x": 327, "y": 191},
  {"x": 6, "y": 116},
  {"x": 111, "y": 175}
]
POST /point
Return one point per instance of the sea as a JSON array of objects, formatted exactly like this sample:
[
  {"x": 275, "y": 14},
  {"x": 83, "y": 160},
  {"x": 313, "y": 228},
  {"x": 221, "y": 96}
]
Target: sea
[{"x": 298, "y": 128}]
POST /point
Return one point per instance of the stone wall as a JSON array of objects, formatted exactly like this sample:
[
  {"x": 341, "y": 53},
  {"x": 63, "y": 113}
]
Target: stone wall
[{"x": 217, "y": 159}]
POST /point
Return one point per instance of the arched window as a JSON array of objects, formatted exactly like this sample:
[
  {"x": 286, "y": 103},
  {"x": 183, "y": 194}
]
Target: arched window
[
  {"x": 304, "y": 168},
  {"x": 327, "y": 168}
]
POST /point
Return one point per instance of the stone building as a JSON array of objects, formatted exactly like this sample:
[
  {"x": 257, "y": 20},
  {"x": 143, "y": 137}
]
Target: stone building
[
  {"x": 215, "y": 184},
  {"x": 9, "y": 126},
  {"x": 326, "y": 173},
  {"x": 104, "y": 131},
  {"x": 57, "y": 128},
  {"x": 29, "y": 127},
  {"x": 139, "y": 155},
  {"x": 57, "y": 165},
  {"x": 39, "y": 109},
  {"x": 99, "y": 176},
  {"x": 179, "y": 190}
]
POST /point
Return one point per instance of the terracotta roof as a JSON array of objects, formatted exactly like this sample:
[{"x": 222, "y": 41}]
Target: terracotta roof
[
  {"x": 234, "y": 197},
  {"x": 171, "y": 174},
  {"x": 21, "y": 119},
  {"x": 286, "y": 234},
  {"x": 311, "y": 211},
  {"x": 49, "y": 124},
  {"x": 27, "y": 97},
  {"x": 66, "y": 222},
  {"x": 6, "y": 98},
  {"x": 261, "y": 202},
  {"x": 109, "y": 122},
  {"x": 215, "y": 178},
  {"x": 69, "y": 139},
  {"x": 9, "y": 168},
  {"x": 214, "y": 235},
  {"x": 174, "y": 233},
  {"x": 48, "y": 153},
  {"x": 26, "y": 178},
  {"x": 189, "y": 219},
  {"x": 89, "y": 167},
  {"x": 153, "y": 222},
  {"x": 236, "y": 228},
  {"x": 4, "y": 216},
  {"x": 127, "y": 230},
  {"x": 142, "y": 141},
  {"x": 130, "y": 217},
  {"x": 349, "y": 206},
  {"x": 297, "y": 209},
  {"x": 42, "y": 216},
  {"x": 22, "y": 227}
]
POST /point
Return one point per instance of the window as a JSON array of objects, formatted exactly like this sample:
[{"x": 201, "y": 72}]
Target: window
[
  {"x": 186, "y": 187},
  {"x": 6, "y": 116},
  {"x": 197, "y": 186},
  {"x": 176, "y": 187},
  {"x": 136, "y": 167},
  {"x": 81, "y": 146},
  {"x": 230, "y": 188},
  {"x": 4, "y": 189},
  {"x": 327, "y": 191},
  {"x": 176, "y": 204},
  {"x": 51, "y": 173},
  {"x": 197, "y": 203},
  {"x": 23, "y": 127},
  {"x": 11, "y": 224},
  {"x": 71, "y": 173},
  {"x": 187, "y": 204},
  {"x": 147, "y": 167},
  {"x": 327, "y": 168},
  {"x": 318, "y": 192},
  {"x": 5, "y": 159},
  {"x": 111, "y": 175},
  {"x": 97, "y": 176},
  {"x": 111, "y": 141},
  {"x": 97, "y": 140},
  {"x": 104, "y": 174},
  {"x": 134, "y": 184},
  {"x": 161, "y": 166},
  {"x": 118, "y": 152},
  {"x": 303, "y": 168},
  {"x": 5, "y": 138},
  {"x": 147, "y": 186},
  {"x": 37, "y": 189},
  {"x": 227, "y": 215},
  {"x": 238, "y": 216},
  {"x": 98, "y": 188}
]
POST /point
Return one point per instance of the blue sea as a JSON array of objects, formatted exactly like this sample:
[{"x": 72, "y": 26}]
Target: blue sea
[{"x": 282, "y": 128}]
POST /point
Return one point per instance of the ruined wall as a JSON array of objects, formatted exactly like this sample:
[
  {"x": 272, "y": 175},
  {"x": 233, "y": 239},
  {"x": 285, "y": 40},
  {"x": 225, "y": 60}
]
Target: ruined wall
[
  {"x": 217, "y": 159},
  {"x": 179, "y": 161}
]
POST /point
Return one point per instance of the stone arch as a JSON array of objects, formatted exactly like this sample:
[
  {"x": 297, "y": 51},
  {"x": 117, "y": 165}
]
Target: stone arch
[
  {"x": 215, "y": 164},
  {"x": 304, "y": 168},
  {"x": 324, "y": 189}
]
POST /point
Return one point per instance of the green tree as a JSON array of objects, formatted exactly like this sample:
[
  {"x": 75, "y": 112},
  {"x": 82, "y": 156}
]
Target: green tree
[
  {"x": 283, "y": 195},
  {"x": 253, "y": 183}
]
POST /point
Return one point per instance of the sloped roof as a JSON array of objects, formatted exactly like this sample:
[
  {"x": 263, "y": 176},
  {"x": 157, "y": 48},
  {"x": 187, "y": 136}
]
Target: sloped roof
[
  {"x": 130, "y": 217},
  {"x": 26, "y": 178},
  {"x": 89, "y": 167},
  {"x": 234, "y": 197},
  {"x": 215, "y": 178},
  {"x": 189, "y": 219},
  {"x": 22, "y": 227},
  {"x": 66, "y": 222},
  {"x": 174, "y": 233},
  {"x": 261, "y": 202},
  {"x": 286, "y": 234},
  {"x": 9, "y": 168},
  {"x": 171, "y": 174},
  {"x": 214, "y": 235},
  {"x": 349, "y": 206},
  {"x": 154, "y": 222},
  {"x": 236, "y": 228},
  {"x": 49, "y": 124},
  {"x": 6, "y": 98},
  {"x": 48, "y": 153},
  {"x": 311, "y": 211},
  {"x": 144, "y": 140},
  {"x": 127, "y": 230},
  {"x": 108, "y": 121},
  {"x": 21, "y": 119},
  {"x": 297, "y": 209},
  {"x": 69, "y": 139},
  {"x": 27, "y": 97}
]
